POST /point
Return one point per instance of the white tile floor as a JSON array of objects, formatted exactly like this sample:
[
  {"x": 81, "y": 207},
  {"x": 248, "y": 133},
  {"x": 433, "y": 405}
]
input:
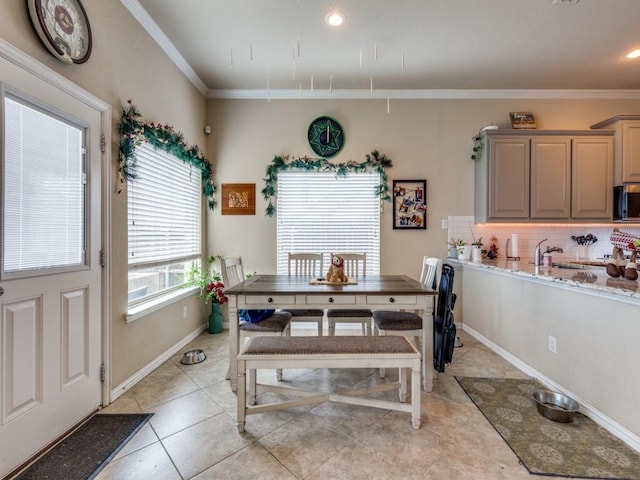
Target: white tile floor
[{"x": 193, "y": 433}]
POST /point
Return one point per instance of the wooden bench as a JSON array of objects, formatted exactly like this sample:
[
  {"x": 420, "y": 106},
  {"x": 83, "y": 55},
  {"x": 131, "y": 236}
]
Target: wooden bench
[{"x": 329, "y": 352}]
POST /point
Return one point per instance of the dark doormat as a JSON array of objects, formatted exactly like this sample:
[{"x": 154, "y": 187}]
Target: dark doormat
[
  {"x": 86, "y": 451},
  {"x": 580, "y": 449}
]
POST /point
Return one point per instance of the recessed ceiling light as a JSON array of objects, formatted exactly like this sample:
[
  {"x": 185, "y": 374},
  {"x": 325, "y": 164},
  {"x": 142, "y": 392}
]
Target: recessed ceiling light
[
  {"x": 634, "y": 54},
  {"x": 334, "y": 18}
]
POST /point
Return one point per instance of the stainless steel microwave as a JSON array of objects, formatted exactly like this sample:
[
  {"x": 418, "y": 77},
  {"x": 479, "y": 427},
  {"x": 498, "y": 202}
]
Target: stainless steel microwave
[{"x": 626, "y": 203}]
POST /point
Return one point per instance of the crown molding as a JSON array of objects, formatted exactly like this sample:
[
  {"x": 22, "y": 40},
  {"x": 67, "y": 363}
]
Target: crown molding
[
  {"x": 152, "y": 28},
  {"x": 434, "y": 94}
]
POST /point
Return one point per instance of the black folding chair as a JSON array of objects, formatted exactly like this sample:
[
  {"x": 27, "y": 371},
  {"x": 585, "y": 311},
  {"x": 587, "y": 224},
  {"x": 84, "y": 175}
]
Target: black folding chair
[{"x": 444, "y": 327}]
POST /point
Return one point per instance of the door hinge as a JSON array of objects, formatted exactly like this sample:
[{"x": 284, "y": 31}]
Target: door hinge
[
  {"x": 102, "y": 257},
  {"x": 103, "y": 143},
  {"x": 102, "y": 372}
]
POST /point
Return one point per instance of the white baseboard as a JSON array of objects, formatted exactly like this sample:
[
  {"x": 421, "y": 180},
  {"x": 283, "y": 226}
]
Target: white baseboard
[
  {"x": 623, "y": 433},
  {"x": 151, "y": 366}
]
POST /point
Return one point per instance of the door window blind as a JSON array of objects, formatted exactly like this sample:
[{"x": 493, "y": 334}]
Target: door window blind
[
  {"x": 43, "y": 191},
  {"x": 164, "y": 222},
  {"x": 324, "y": 213}
]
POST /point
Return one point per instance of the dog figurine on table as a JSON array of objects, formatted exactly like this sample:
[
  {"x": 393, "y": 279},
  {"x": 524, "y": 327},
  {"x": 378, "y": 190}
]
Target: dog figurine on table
[{"x": 336, "y": 271}]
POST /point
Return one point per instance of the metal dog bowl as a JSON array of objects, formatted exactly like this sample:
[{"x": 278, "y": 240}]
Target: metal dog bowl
[
  {"x": 555, "y": 406},
  {"x": 192, "y": 357}
]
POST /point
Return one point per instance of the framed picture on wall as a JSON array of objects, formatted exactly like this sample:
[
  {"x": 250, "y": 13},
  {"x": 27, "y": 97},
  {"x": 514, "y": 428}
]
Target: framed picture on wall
[
  {"x": 238, "y": 199},
  {"x": 409, "y": 204}
]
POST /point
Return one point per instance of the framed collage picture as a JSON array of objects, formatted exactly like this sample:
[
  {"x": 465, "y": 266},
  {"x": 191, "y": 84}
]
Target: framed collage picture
[{"x": 409, "y": 204}]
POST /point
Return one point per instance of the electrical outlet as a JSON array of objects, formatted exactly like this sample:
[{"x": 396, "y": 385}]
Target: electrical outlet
[
  {"x": 185, "y": 311},
  {"x": 444, "y": 224},
  {"x": 553, "y": 344}
]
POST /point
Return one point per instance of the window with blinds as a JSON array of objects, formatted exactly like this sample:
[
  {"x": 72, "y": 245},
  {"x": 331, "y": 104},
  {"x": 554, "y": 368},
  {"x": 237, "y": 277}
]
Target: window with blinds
[
  {"x": 325, "y": 213},
  {"x": 43, "y": 187},
  {"x": 164, "y": 223}
]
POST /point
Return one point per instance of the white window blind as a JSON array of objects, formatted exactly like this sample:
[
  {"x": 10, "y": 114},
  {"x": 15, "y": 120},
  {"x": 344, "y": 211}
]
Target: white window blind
[
  {"x": 43, "y": 191},
  {"x": 164, "y": 218},
  {"x": 325, "y": 213}
]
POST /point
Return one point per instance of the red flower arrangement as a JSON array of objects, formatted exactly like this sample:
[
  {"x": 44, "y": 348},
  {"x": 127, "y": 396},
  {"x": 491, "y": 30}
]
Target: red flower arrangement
[
  {"x": 215, "y": 292},
  {"x": 208, "y": 279}
]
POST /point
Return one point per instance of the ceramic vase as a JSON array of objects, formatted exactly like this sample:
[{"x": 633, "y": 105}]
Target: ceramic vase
[{"x": 215, "y": 319}]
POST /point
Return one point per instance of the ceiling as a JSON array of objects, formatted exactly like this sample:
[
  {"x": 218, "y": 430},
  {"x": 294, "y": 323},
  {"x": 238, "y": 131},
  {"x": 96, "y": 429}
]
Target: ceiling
[{"x": 272, "y": 46}]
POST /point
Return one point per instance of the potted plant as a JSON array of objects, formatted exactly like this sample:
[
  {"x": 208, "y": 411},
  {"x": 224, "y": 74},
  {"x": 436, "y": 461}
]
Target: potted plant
[
  {"x": 476, "y": 252},
  {"x": 460, "y": 247},
  {"x": 209, "y": 280}
]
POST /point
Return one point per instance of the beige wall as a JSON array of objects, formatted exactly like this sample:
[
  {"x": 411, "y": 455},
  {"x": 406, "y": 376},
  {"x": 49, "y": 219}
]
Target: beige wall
[
  {"x": 429, "y": 139},
  {"x": 126, "y": 64}
]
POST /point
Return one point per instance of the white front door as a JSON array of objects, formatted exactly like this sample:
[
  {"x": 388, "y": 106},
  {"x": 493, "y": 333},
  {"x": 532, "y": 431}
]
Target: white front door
[{"x": 50, "y": 274}]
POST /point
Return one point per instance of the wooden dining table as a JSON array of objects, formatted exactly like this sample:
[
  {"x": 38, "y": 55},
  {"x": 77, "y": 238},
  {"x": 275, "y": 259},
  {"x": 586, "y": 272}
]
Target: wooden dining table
[{"x": 373, "y": 292}]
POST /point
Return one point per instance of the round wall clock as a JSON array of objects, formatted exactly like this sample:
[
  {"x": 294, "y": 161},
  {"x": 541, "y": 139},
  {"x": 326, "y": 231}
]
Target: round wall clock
[
  {"x": 63, "y": 27},
  {"x": 326, "y": 137}
]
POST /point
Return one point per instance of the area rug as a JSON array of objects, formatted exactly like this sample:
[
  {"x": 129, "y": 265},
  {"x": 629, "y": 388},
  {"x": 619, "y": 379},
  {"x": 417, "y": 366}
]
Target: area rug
[
  {"x": 86, "y": 451},
  {"x": 580, "y": 449}
]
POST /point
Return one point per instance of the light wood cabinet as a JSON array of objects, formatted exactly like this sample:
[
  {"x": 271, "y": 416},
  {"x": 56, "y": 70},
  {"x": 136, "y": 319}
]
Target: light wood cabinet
[
  {"x": 509, "y": 178},
  {"x": 592, "y": 178},
  {"x": 544, "y": 176},
  {"x": 550, "y": 177},
  {"x": 627, "y": 147}
]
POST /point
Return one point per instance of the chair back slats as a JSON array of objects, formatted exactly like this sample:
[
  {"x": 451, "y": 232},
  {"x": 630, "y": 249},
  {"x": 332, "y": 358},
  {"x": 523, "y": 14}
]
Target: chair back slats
[
  {"x": 355, "y": 264},
  {"x": 306, "y": 264},
  {"x": 431, "y": 268},
  {"x": 232, "y": 271}
]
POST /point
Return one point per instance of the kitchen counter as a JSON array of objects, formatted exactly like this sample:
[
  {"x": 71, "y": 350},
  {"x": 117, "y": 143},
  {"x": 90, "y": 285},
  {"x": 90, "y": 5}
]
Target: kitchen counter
[
  {"x": 575, "y": 330},
  {"x": 593, "y": 279}
]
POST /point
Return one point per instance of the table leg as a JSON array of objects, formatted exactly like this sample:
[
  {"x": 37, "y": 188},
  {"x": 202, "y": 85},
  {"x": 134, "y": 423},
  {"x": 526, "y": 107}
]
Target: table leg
[
  {"x": 416, "y": 394},
  {"x": 427, "y": 344},
  {"x": 234, "y": 342},
  {"x": 242, "y": 391}
]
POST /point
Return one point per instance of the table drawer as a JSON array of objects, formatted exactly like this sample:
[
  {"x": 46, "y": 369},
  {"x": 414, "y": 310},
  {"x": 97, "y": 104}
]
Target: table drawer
[
  {"x": 330, "y": 300},
  {"x": 392, "y": 300},
  {"x": 275, "y": 300}
]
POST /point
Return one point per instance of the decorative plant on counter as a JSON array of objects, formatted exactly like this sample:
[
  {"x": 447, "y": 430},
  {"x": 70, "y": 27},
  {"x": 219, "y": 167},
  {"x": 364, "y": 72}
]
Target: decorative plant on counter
[
  {"x": 209, "y": 281},
  {"x": 134, "y": 132},
  {"x": 457, "y": 244}
]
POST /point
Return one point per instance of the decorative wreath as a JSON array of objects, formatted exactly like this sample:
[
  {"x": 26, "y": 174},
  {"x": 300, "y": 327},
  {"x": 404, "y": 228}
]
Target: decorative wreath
[
  {"x": 134, "y": 132},
  {"x": 375, "y": 162}
]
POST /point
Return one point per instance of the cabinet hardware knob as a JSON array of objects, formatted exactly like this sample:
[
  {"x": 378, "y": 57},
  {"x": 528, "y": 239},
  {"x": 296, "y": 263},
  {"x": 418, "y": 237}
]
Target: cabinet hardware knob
[
  {"x": 330, "y": 299},
  {"x": 391, "y": 299},
  {"x": 270, "y": 300}
]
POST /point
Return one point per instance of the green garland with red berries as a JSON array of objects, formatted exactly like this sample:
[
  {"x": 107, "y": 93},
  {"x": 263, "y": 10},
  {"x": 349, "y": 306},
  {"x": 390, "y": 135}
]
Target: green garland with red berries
[{"x": 134, "y": 132}]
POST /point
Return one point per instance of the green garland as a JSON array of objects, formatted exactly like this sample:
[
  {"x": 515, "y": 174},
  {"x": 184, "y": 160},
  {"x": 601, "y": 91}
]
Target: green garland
[
  {"x": 134, "y": 132},
  {"x": 375, "y": 162}
]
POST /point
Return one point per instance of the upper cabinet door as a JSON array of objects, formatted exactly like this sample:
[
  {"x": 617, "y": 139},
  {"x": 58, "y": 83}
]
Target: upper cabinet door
[
  {"x": 509, "y": 178},
  {"x": 592, "y": 178},
  {"x": 631, "y": 151},
  {"x": 551, "y": 177}
]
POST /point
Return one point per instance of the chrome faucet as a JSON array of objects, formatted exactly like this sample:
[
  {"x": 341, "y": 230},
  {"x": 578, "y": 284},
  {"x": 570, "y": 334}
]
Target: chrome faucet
[{"x": 537, "y": 256}]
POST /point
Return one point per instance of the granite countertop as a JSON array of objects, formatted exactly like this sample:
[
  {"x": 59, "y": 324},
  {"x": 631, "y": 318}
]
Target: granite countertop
[{"x": 586, "y": 276}]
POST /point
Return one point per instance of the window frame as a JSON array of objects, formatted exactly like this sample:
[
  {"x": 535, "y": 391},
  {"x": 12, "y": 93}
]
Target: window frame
[
  {"x": 162, "y": 297},
  {"x": 373, "y": 252},
  {"x": 37, "y": 106}
]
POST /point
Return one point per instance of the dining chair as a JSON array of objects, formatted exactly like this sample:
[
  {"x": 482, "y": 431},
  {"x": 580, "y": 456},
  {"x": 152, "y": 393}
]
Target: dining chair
[
  {"x": 409, "y": 324},
  {"x": 307, "y": 265},
  {"x": 278, "y": 323},
  {"x": 355, "y": 265}
]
